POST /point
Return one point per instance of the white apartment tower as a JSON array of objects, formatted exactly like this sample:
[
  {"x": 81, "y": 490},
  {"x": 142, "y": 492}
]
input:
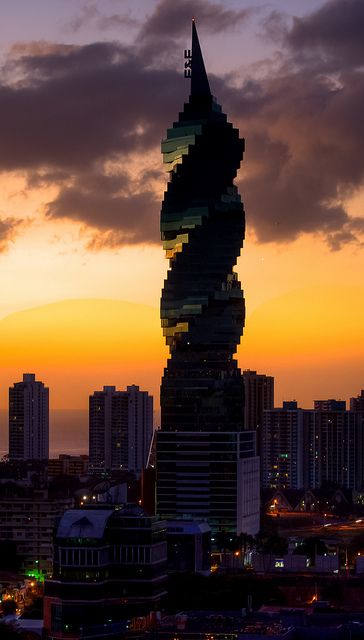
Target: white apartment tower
[
  {"x": 28, "y": 419},
  {"x": 120, "y": 429}
]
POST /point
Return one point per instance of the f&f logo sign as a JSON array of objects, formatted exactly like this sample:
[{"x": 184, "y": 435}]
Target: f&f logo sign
[{"x": 188, "y": 63}]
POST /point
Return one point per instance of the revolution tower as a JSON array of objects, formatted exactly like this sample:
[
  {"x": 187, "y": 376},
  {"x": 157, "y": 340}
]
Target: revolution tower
[
  {"x": 206, "y": 463},
  {"x": 202, "y": 226}
]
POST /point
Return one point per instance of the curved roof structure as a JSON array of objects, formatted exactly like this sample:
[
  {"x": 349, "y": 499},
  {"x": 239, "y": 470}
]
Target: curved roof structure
[{"x": 83, "y": 523}]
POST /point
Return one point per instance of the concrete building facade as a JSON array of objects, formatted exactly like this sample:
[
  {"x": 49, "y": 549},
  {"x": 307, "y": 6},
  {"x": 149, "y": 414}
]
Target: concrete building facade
[
  {"x": 310, "y": 448},
  {"x": 120, "y": 429},
  {"x": 27, "y": 518}
]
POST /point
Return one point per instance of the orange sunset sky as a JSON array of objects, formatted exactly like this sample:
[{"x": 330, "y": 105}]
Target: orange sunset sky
[{"x": 87, "y": 92}]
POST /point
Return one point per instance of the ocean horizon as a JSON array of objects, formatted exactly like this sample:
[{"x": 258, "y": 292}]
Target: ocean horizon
[{"x": 68, "y": 432}]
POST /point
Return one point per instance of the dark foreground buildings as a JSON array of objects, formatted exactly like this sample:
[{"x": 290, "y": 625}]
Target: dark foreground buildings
[
  {"x": 206, "y": 465},
  {"x": 109, "y": 566}
]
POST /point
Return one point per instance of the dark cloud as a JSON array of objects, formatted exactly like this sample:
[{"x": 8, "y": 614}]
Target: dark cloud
[
  {"x": 334, "y": 32},
  {"x": 75, "y": 109},
  {"x": 68, "y": 112},
  {"x": 91, "y": 14},
  {"x": 303, "y": 154},
  {"x": 337, "y": 240},
  {"x": 170, "y": 18},
  {"x": 107, "y": 202},
  {"x": 275, "y": 26},
  {"x": 8, "y": 229},
  {"x": 82, "y": 105},
  {"x": 37, "y": 179},
  {"x": 305, "y": 130},
  {"x": 158, "y": 37}
]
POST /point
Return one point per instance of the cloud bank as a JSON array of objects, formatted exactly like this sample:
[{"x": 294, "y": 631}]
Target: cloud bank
[{"x": 84, "y": 117}]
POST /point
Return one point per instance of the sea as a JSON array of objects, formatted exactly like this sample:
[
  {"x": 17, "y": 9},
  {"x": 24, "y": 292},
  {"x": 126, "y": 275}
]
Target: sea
[{"x": 68, "y": 432}]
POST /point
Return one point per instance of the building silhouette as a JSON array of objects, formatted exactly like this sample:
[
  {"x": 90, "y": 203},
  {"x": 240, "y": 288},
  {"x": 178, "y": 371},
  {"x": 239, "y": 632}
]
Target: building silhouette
[
  {"x": 357, "y": 404},
  {"x": 27, "y": 517},
  {"x": 259, "y": 396},
  {"x": 202, "y": 226},
  {"x": 282, "y": 447},
  {"x": 28, "y": 419},
  {"x": 68, "y": 465},
  {"x": 357, "y": 407},
  {"x": 109, "y": 566},
  {"x": 120, "y": 429},
  {"x": 332, "y": 445},
  {"x": 203, "y": 452},
  {"x": 329, "y": 405},
  {"x": 311, "y": 448}
]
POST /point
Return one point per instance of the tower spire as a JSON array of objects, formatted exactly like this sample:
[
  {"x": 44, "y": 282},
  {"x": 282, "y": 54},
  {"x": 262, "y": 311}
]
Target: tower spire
[{"x": 199, "y": 81}]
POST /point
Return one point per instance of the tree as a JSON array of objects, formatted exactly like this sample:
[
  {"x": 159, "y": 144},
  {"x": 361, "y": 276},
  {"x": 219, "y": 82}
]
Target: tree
[
  {"x": 311, "y": 547},
  {"x": 273, "y": 544},
  {"x": 9, "y": 560}
]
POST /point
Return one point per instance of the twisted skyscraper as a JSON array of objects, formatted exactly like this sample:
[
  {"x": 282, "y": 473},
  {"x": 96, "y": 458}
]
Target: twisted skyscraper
[
  {"x": 202, "y": 225},
  {"x": 206, "y": 464}
]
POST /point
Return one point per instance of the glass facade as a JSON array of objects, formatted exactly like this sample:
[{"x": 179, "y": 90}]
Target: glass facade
[
  {"x": 206, "y": 464},
  {"x": 202, "y": 227},
  {"x": 198, "y": 475}
]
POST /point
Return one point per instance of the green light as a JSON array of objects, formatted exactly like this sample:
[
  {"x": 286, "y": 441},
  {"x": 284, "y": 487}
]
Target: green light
[{"x": 36, "y": 574}]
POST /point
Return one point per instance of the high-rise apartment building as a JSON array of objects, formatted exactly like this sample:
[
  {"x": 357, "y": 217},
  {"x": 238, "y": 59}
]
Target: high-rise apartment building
[
  {"x": 28, "y": 419},
  {"x": 357, "y": 404},
  {"x": 201, "y": 450},
  {"x": 259, "y": 397},
  {"x": 332, "y": 449},
  {"x": 120, "y": 429},
  {"x": 308, "y": 448},
  {"x": 357, "y": 407},
  {"x": 282, "y": 447}
]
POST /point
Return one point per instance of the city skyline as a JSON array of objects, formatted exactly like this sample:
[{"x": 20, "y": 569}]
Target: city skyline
[
  {"x": 75, "y": 441},
  {"x": 63, "y": 240}
]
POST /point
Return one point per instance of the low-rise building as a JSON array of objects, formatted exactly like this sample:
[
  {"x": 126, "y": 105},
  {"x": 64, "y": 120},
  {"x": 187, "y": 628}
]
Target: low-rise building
[
  {"x": 68, "y": 465},
  {"x": 109, "y": 566},
  {"x": 189, "y": 546},
  {"x": 27, "y": 518}
]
